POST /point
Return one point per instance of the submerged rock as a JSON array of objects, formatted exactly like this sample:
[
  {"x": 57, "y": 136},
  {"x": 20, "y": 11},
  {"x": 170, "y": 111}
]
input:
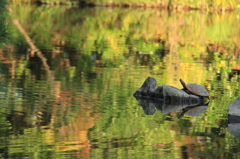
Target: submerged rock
[{"x": 234, "y": 118}]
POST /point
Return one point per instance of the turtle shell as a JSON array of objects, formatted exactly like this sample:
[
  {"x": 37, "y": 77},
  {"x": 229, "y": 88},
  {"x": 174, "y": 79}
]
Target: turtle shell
[{"x": 195, "y": 89}]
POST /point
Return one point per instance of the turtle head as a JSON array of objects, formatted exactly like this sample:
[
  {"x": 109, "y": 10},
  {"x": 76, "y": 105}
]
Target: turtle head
[{"x": 183, "y": 83}]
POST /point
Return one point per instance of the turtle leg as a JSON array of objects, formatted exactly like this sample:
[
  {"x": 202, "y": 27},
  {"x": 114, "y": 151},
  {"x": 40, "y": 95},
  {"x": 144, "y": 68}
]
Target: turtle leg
[
  {"x": 184, "y": 110},
  {"x": 187, "y": 91}
]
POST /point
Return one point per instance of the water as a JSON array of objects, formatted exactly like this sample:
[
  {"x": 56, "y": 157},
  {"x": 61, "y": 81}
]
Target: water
[{"x": 79, "y": 103}]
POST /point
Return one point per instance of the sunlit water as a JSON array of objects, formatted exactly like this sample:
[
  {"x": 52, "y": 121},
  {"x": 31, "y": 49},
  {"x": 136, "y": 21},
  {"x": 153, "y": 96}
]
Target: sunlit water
[{"x": 80, "y": 105}]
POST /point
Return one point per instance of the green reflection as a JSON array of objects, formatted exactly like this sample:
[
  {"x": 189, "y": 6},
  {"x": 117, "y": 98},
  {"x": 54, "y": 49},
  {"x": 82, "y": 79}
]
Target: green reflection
[{"x": 4, "y": 30}]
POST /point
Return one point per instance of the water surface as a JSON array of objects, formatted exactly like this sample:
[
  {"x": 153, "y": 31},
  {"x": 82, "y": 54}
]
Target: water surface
[{"x": 79, "y": 104}]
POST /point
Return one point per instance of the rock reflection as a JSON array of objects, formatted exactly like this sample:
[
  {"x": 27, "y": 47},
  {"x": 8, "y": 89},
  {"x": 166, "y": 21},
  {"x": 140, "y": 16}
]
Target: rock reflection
[
  {"x": 168, "y": 99},
  {"x": 234, "y": 118},
  {"x": 150, "y": 106}
]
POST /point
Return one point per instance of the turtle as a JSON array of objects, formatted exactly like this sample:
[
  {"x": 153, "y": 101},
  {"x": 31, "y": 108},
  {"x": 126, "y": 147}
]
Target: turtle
[{"x": 195, "y": 89}]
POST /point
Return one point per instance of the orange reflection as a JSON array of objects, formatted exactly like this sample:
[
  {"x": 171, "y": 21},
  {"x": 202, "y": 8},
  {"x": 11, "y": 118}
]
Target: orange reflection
[{"x": 74, "y": 135}]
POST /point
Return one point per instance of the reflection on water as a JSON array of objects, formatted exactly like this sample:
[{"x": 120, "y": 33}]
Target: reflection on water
[{"x": 71, "y": 96}]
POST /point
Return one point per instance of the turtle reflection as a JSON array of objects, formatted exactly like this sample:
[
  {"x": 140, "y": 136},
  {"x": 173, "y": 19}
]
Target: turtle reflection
[
  {"x": 168, "y": 99},
  {"x": 193, "y": 111}
]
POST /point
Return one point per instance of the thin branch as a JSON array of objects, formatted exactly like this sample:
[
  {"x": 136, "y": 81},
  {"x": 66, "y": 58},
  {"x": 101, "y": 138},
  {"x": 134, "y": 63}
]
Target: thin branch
[{"x": 33, "y": 47}]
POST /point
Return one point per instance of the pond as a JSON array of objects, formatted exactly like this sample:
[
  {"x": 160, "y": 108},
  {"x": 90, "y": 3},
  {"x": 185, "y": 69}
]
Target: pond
[{"x": 68, "y": 76}]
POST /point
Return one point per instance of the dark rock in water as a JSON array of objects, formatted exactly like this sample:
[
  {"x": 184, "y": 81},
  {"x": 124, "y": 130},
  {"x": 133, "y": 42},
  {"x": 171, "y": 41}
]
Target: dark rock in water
[
  {"x": 173, "y": 96},
  {"x": 147, "y": 88},
  {"x": 234, "y": 107},
  {"x": 165, "y": 98},
  {"x": 169, "y": 94},
  {"x": 234, "y": 118}
]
